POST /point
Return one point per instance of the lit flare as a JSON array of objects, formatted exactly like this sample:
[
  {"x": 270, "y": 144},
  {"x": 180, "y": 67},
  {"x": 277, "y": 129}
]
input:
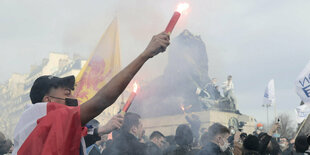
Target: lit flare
[{"x": 182, "y": 7}]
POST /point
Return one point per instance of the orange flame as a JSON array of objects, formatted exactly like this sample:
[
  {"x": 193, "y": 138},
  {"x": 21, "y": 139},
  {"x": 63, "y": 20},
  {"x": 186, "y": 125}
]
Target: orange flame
[
  {"x": 135, "y": 87},
  {"x": 182, "y": 107},
  {"x": 182, "y": 7}
]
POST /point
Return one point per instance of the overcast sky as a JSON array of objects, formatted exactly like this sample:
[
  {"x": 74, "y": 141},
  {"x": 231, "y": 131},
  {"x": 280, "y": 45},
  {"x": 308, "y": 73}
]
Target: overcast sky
[{"x": 252, "y": 40}]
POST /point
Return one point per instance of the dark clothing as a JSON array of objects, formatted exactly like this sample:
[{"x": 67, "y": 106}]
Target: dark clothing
[
  {"x": 195, "y": 123},
  {"x": 211, "y": 148},
  {"x": 287, "y": 152},
  {"x": 247, "y": 152},
  {"x": 127, "y": 144},
  {"x": 170, "y": 149},
  {"x": 306, "y": 153},
  {"x": 255, "y": 133},
  {"x": 153, "y": 149},
  {"x": 183, "y": 151},
  {"x": 217, "y": 94},
  {"x": 299, "y": 153},
  {"x": 263, "y": 143}
]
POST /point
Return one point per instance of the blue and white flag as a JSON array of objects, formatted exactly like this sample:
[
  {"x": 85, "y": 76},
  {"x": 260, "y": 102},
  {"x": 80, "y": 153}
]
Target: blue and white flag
[
  {"x": 302, "y": 84},
  {"x": 302, "y": 112},
  {"x": 269, "y": 95}
]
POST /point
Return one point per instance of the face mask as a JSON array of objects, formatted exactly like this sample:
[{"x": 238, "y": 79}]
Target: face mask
[
  {"x": 68, "y": 101},
  {"x": 71, "y": 102},
  {"x": 232, "y": 131},
  {"x": 224, "y": 147},
  {"x": 282, "y": 145}
]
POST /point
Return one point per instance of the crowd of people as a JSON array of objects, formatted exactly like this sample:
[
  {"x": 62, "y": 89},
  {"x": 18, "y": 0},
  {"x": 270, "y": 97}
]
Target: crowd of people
[
  {"x": 55, "y": 124},
  {"x": 126, "y": 136},
  {"x": 215, "y": 140}
]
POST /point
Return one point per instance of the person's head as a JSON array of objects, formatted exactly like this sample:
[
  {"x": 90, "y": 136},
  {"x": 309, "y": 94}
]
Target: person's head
[
  {"x": 251, "y": 143},
  {"x": 53, "y": 89},
  {"x": 158, "y": 138},
  {"x": 259, "y": 127},
  {"x": 214, "y": 80},
  {"x": 283, "y": 143},
  {"x": 301, "y": 145},
  {"x": 218, "y": 134},
  {"x": 184, "y": 135},
  {"x": 243, "y": 136},
  {"x": 132, "y": 124}
]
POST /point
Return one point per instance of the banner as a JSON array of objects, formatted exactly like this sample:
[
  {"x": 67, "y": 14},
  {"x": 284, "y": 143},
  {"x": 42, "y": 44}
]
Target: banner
[
  {"x": 269, "y": 95},
  {"x": 302, "y": 84},
  {"x": 302, "y": 112},
  {"x": 102, "y": 65}
]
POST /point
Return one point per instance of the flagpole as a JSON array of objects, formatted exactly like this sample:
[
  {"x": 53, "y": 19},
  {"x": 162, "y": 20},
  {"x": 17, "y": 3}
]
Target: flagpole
[
  {"x": 267, "y": 111},
  {"x": 275, "y": 111},
  {"x": 267, "y": 114}
]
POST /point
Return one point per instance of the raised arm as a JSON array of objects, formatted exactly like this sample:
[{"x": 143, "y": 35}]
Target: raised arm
[{"x": 107, "y": 95}]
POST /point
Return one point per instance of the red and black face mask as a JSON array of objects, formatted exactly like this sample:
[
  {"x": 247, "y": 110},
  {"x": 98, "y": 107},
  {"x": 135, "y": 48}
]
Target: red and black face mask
[{"x": 68, "y": 101}]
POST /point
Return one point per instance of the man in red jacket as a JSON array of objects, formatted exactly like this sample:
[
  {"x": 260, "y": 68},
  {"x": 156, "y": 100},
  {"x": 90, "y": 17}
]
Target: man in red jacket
[{"x": 54, "y": 123}]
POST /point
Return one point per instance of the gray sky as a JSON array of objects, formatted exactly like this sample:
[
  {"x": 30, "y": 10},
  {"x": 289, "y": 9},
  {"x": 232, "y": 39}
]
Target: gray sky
[{"x": 252, "y": 40}]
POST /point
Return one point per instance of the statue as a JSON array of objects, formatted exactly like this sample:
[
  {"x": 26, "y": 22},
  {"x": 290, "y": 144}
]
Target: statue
[
  {"x": 211, "y": 97},
  {"x": 228, "y": 88}
]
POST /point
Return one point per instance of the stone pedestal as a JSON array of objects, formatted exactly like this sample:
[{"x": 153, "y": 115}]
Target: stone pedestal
[{"x": 168, "y": 124}]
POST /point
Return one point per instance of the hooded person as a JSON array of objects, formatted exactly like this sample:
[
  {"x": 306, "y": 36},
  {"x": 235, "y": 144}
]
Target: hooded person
[
  {"x": 55, "y": 124},
  {"x": 217, "y": 142}
]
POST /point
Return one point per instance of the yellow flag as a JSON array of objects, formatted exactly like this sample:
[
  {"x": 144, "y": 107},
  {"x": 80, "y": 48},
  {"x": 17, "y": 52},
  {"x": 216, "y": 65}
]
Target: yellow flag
[{"x": 102, "y": 65}]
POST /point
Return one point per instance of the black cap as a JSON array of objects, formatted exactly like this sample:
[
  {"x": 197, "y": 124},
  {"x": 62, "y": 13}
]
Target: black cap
[{"x": 43, "y": 84}]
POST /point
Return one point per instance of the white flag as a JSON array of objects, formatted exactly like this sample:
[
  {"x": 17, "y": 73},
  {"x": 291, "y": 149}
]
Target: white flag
[
  {"x": 302, "y": 112},
  {"x": 269, "y": 96},
  {"x": 303, "y": 84}
]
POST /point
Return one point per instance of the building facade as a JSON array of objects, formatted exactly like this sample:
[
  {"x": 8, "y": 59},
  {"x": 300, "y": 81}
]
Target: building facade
[{"x": 14, "y": 94}]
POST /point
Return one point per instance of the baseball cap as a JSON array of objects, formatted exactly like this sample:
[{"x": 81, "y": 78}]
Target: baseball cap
[
  {"x": 43, "y": 84},
  {"x": 259, "y": 125}
]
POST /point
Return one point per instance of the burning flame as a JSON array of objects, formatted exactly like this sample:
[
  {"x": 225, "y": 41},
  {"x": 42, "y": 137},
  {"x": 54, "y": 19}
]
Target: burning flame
[
  {"x": 135, "y": 87},
  {"x": 182, "y": 7},
  {"x": 182, "y": 107}
]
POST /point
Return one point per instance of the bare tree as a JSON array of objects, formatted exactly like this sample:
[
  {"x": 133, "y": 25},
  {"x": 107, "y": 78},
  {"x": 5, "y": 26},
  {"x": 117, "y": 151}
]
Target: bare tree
[{"x": 287, "y": 129}]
